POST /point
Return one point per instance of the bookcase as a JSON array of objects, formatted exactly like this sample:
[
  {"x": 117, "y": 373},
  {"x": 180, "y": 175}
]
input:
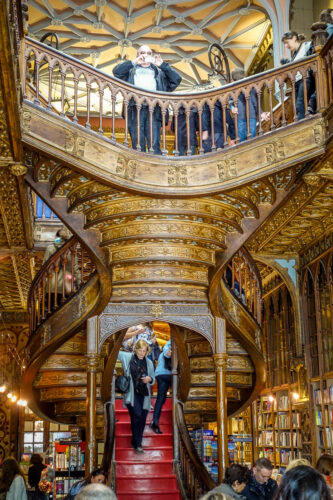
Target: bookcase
[
  {"x": 68, "y": 465},
  {"x": 278, "y": 427},
  {"x": 323, "y": 415},
  {"x": 240, "y": 438}
]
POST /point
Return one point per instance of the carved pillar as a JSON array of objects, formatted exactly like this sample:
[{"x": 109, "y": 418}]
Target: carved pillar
[
  {"x": 220, "y": 360},
  {"x": 93, "y": 359}
]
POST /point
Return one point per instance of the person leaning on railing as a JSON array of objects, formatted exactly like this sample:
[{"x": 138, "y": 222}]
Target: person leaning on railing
[
  {"x": 240, "y": 109},
  {"x": 151, "y": 73},
  {"x": 299, "y": 49}
]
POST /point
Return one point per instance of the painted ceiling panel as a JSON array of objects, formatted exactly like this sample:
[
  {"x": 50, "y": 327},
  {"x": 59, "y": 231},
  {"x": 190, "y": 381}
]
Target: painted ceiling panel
[{"x": 102, "y": 33}]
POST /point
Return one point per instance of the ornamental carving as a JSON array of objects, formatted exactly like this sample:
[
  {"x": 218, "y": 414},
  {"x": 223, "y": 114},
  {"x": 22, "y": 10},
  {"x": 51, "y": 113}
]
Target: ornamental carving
[
  {"x": 177, "y": 176},
  {"x": 126, "y": 169},
  {"x": 227, "y": 169}
]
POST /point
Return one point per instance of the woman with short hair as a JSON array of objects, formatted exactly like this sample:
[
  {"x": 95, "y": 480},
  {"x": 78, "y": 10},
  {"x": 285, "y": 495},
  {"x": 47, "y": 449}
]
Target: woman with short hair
[
  {"x": 234, "y": 482},
  {"x": 140, "y": 370}
]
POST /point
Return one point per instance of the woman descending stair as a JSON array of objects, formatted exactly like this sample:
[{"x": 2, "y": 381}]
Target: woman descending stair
[
  {"x": 139, "y": 372},
  {"x": 147, "y": 475}
]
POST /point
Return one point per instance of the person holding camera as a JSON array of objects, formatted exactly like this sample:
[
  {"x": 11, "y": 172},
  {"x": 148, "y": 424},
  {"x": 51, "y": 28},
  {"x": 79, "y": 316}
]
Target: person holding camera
[
  {"x": 140, "y": 370},
  {"x": 148, "y": 72},
  {"x": 163, "y": 376}
]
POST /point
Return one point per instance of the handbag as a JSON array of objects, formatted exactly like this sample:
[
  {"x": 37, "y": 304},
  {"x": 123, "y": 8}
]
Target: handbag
[{"x": 122, "y": 384}]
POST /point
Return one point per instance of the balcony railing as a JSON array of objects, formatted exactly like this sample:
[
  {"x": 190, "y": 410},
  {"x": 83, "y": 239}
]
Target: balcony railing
[
  {"x": 243, "y": 279},
  {"x": 60, "y": 277},
  {"x": 59, "y": 79}
]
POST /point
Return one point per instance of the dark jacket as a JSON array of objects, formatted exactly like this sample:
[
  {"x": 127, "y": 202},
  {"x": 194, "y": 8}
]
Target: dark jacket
[
  {"x": 255, "y": 491},
  {"x": 34, "y": 473},
  {"x": 167, "y": 79},
  {"x": 218, "y": 120},
  {"x": 74, "y": 490}
]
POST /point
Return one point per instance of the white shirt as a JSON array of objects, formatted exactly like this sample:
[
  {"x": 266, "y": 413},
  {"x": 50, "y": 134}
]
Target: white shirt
[
  {"x": 144, "y": 78},
  {"x": 300, "y": 54}
]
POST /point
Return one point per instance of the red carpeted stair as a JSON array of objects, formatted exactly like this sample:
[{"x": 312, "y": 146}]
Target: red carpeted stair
[{"x": 148, "y": 476}]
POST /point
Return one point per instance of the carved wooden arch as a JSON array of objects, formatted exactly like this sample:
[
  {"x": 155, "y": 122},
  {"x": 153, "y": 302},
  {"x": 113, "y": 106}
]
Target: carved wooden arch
[{"x": 109, "y": 324}]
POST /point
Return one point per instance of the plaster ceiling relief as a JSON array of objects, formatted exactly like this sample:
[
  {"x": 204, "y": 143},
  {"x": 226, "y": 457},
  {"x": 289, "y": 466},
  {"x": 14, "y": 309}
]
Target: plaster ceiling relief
[{"x": 103, "y": 33}]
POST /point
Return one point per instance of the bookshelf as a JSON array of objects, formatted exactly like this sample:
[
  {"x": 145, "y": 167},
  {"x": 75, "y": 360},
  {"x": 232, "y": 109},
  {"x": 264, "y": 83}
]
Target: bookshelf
[
  {"x": 323, "y": 414},
  {"x": 68, "y": 466},
  {"x": 240, "y": 438},
  {"x": 278, "y": 427}
]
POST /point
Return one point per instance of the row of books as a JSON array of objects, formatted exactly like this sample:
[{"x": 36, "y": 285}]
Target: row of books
[
  {"x": 283, "y": 403},
  {"x": 325, "y": 396},
  {"x": 290, "y": 438},
  {"x": 284, "y": 420}
]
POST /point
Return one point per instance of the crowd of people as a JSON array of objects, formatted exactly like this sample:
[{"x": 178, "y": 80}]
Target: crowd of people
[
  {"x": 300, "y": 481},
  {"x": 149, "y": 72}
]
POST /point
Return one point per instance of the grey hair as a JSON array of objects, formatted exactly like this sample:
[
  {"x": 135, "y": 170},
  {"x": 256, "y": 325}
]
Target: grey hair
[{"x": 96, "y": 491}]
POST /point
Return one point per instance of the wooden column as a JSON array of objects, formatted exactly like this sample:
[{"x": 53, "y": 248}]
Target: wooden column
[
  {"x": 93, "y": 359},
  {"x": 220, "y": 360}
]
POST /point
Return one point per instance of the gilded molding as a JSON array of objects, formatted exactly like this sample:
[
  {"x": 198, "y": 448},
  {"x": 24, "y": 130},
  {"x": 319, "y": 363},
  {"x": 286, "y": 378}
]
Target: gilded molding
[{"x": 162, "y": 175}]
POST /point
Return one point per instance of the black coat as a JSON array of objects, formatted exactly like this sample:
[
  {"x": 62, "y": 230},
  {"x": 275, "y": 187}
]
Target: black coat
[
  {"x": 34, "y": 473},
  {"x": 167, "y": 80},
  {"x": 253, "y": 492}
]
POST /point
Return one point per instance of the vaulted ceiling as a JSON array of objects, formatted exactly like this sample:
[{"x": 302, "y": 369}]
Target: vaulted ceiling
[{"x": 103, "y": 33}]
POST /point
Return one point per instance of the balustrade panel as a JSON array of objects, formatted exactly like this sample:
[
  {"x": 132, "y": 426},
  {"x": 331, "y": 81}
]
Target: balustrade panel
[
  {"x": 58, "y": 280},
  {"x": 187, "y": 123}
]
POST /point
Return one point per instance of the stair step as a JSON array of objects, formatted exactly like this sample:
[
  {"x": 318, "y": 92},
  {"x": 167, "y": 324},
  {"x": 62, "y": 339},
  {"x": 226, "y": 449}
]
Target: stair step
[
  {"x": 170, "y": 495},
  {"x": 123, "y": 428},
  {"x": 124, "y": 440},
  {"x": 167, "y": 405},
  {"x": 165, "y": 418},
  {"x": 150, "y": 453},
  {"x": 148, "y": 483},
  {"x": 131, "y": 468}
]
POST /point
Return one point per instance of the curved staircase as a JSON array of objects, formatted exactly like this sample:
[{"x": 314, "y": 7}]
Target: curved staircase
[{"x": 158, "y": 243}]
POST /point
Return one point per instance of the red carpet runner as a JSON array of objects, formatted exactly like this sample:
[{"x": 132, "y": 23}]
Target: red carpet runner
[{"x": 147, "y": 476}]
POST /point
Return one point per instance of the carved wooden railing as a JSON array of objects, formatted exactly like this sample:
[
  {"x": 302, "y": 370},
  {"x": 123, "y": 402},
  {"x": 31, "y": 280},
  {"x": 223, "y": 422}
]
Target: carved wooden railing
[
  {"x": 243, "y": 279},
  {"x": 194, "y": 474},
  {"x": 103, "y": 91},
  {"x": 60, "y": 277}
]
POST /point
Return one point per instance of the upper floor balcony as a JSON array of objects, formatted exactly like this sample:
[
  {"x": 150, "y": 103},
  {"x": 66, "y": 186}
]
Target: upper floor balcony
[{"x": 81, "y": 116}]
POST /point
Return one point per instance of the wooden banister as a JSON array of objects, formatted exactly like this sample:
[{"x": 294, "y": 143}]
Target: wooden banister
[
  {"x": 96, "y": 84},
  {"x": 243, "y": 279},
  {"x": 60, "y": 277},
  {"x": 194, "y": 475}
]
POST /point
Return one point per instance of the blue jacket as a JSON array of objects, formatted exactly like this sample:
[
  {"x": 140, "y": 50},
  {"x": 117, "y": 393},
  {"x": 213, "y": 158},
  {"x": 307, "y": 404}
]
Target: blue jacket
[
  {"x": 241, "y": 105},
  {"x": 255, "y": 491},
  {"x": 74, "y": 490},
  {"x": 160, "y": 369}
]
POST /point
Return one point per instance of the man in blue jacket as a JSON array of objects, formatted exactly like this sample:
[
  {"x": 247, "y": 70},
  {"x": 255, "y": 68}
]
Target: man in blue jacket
[
  {"x": 150, "y": 73},
  {"x": 163, "y": 376},
  {"x": 260, "y": 485}
]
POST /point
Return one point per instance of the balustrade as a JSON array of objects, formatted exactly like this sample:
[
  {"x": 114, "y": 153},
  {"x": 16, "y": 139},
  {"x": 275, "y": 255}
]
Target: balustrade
[
  {"x": 101, "y": 103},
  {"x": 58, "y": 280},
  {"x": 243, "y": 279}
]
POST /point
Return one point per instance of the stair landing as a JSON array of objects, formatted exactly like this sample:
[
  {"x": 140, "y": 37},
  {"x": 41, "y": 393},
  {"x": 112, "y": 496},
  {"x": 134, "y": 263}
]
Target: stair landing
[{"x": 148, "y": 476}]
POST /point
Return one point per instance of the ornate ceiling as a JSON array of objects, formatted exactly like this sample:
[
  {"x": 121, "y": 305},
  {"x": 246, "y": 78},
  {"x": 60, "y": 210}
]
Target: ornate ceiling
[{"x": 103, "y": 33}]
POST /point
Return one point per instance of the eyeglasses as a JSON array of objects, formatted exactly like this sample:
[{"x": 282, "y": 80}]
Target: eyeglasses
[{"x": 149, "y": 52}]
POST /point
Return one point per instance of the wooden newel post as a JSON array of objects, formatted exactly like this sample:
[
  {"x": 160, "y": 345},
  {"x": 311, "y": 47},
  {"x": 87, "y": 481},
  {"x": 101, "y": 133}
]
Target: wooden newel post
[
  {"x": 93, "y": 360},
  {"x": 220, "y": 360}
]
